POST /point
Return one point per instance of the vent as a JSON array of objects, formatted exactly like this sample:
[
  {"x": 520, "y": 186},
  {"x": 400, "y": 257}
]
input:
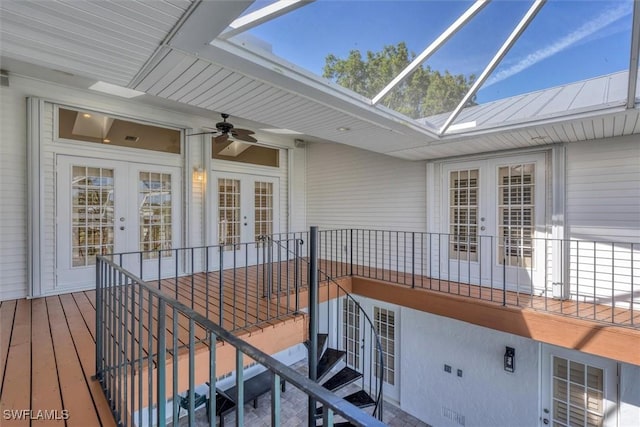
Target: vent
[
  {"x": 130, "y": 138},
  {"x": 453, "y": 415}
]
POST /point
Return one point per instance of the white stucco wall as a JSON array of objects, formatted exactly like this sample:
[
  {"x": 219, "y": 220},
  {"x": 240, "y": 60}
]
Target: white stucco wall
[{"x": 485, "y": 395}]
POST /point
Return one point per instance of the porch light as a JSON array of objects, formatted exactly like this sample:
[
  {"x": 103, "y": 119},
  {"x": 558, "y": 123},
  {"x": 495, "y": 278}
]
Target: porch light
[
  {"x": 198, "y": 174},
  {"x": 510, "y": 359}
]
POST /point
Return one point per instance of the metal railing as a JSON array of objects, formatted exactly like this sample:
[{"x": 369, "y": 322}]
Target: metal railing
[
  {"x": 150, "y": 348},
  {"x": 595, "y": 280},
  {"x": 238, "y": 275}
]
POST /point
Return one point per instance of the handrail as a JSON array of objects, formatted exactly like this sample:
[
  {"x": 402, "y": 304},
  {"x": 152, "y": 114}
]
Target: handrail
[
  {"x": 116, "y": 283},
  {"x": 378, "y": 410}
]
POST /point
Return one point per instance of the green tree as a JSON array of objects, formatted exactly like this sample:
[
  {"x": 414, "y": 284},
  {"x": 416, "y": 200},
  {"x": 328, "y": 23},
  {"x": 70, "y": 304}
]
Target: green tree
[{"x": 424, "y": 93}]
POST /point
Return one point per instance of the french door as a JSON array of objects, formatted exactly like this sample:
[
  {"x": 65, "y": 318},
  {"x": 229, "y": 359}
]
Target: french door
[
  {"x": 246, "y": 207},
  {"x": 105, "y": 207},
  {"x": 577, "y": 389},
  {"x": 494, "y": 216}
]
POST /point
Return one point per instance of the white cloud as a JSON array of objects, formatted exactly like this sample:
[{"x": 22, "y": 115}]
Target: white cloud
[{"x": 565, "y": 42}]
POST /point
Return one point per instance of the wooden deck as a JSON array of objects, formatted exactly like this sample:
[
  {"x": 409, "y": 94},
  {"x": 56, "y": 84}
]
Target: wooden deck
[{"x": 47, "y": 358}]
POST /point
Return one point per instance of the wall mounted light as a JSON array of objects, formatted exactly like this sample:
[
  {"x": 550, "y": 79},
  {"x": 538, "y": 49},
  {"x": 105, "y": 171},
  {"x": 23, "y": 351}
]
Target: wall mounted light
[
  {"x": 510, "y": 359},
  {"x": 198, "y": 174}
]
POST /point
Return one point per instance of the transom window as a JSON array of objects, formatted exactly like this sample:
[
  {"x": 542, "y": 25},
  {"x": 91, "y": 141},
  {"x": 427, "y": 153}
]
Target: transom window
[{"x": 89, "y": 126}]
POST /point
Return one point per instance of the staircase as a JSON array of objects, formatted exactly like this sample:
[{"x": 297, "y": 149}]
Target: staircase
[
  {"x": 334, "y": 375},
  {"x": 333, "y": 371}
]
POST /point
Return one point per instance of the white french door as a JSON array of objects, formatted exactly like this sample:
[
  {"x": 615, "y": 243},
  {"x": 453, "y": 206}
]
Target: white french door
[
  {"x": 494, "y": 216},
  {"x": 105, "y": 207},
  {"x": 246, "y": 207},
  {"x": 578, "y": 390}
]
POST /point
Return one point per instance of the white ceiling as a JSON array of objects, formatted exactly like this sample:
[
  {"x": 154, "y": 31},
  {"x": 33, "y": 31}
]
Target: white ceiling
[{"x": 162, "y": 47}]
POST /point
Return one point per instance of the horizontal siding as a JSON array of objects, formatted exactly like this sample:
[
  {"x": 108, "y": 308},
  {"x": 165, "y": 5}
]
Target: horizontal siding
[
  {"x": 349, "y": 187},
  {"x": 13, "y": 193},
  {"x": 603, "y": 190}
]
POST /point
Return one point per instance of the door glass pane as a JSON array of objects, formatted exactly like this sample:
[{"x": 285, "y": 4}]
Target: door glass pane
[
  {"x": 351, "y": 332},
  {"x": 463, "y": 215},
  {"x": 385, "y": 326},
  {"x": 263, "y": 205},
  {"x": 92, "y": 204},
  {"x": 516, "y": 189},
  {"x": 228, "y": 212},
  {"x": 579, "y": 401},
  {"x": 155, "y": 213}
]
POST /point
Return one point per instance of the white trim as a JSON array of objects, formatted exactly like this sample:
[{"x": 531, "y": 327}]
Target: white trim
[
  {"x": 558, "y": 209},
  {"x": 635, "y": 52},
  {"x": 262, "y": 15},
  {"x": 35, "y": 197}
]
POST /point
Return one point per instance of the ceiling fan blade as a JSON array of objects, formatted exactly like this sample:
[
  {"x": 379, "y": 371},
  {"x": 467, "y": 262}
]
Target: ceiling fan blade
[
  {"x": 245, "y": 137},
  {"x": 221, "y": 138},
  {"x": 203, "y": 133}
]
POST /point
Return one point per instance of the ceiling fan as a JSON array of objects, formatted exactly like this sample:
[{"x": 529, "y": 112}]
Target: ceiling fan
[{"x": 224, "y": 128}]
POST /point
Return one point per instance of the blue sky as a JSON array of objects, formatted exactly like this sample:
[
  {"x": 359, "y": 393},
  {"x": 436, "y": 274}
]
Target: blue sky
[{"x": 568, "y": 40}]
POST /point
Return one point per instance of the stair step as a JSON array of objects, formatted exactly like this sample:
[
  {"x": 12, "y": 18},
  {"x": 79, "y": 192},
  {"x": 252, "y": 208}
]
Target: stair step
[
  {"x": 344, "y": 377},
  {"x": 329, "y": 359},
  {"x": 322, "y": 340},
  {"x": 360, "y": 398}
]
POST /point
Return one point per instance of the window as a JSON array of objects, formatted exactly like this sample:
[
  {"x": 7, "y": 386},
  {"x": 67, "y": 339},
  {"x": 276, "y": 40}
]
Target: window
[
  {"x": 89, "y": 126},
  {"x": 243, "y": 152},
  {"x": 385, "y": 326},
  {"x": 154, "y": 210},
  {"x": 578, "y": 394},
  {"x": 463, "y": 214},
  {"x": 351, "y": 332},
  {"x": 263, "y": 199},
  {"x": 515, "y": 214},
  {"x": 229, "y": 212},
  {"x": 92, "y": 221}
]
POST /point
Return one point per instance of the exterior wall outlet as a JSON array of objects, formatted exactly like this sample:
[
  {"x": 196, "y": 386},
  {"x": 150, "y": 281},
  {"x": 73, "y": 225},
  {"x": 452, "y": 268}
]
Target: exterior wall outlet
[
  {"x": 460, "y": 372},
  {"x": 447, "y": 368}
]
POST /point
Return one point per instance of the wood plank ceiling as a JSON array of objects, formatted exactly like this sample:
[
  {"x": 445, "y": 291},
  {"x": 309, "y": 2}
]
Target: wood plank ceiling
[{"x": 164, "y": 48}]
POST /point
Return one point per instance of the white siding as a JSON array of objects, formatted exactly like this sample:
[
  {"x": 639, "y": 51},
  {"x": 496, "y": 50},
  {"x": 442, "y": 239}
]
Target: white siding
[
  {"x": 348, "y": 187},
  {"x": 603, "y": 189},
  {"x": 13, "y": 193}
]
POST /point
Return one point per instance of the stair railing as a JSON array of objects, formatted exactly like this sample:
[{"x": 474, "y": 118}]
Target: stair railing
[
  {"x": 150, "y": 348},
  {"x": 332, "y": 290}
]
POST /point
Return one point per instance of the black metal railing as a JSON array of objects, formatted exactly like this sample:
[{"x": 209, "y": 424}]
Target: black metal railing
[
  {"x": 152, "y": 351},
  {"x": 596, "y": 280},
  {"x": 238, "y": 275}
]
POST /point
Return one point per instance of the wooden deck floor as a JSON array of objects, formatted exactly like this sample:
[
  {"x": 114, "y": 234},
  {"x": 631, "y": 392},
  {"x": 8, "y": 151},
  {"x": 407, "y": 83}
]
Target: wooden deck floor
[{"x": 47, "y": 358}]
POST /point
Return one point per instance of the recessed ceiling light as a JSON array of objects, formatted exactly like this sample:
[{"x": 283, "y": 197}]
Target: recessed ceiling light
[
  {"x": 115, "y": 90},
  {"x": 86, "y": 115},
  {"x": 283, "y": 131},
  {"x": 344, "y": 129}
]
